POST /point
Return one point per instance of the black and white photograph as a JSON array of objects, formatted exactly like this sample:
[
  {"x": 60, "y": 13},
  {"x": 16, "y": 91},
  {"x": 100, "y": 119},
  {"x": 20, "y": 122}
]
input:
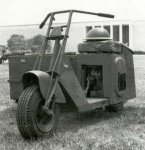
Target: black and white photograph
[{"x": 72, "y": 75}]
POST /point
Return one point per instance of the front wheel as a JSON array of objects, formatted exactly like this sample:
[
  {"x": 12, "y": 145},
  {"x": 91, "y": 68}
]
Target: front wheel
[{"x": 32, "y": 122}]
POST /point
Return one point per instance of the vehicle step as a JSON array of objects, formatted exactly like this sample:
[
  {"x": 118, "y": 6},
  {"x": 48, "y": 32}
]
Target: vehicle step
[
  {"x": 94, "y": 103},
  {"x": 96, "y": 100}
]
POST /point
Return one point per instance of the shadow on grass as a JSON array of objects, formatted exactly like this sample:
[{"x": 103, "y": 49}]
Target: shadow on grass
[
  {"x": 72, "y": 122},
  {"x": 130, "y": 115}
]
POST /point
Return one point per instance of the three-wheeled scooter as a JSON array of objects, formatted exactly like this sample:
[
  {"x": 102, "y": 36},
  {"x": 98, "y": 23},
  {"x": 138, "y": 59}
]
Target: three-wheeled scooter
[{"x": 100, "y": 75}]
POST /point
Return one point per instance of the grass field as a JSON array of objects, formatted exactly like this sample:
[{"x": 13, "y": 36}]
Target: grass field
[{"x": 98, "y": 130}]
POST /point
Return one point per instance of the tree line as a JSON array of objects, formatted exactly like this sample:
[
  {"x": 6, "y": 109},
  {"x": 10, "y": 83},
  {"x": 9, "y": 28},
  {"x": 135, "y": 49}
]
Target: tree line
[{"x": 18, "y": 43}]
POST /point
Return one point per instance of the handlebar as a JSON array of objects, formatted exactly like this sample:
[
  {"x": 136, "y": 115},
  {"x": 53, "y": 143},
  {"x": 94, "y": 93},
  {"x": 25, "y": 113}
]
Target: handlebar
[
  {"x": 44, "y": 21},
  {"x": 76, "y": 11}
]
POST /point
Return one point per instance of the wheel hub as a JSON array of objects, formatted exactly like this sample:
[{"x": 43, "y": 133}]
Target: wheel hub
[{"x": 44, "y": 118}]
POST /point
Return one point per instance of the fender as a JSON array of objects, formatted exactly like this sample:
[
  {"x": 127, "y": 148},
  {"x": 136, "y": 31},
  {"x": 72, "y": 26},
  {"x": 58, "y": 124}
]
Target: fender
[{"x": 42, "y": 79}]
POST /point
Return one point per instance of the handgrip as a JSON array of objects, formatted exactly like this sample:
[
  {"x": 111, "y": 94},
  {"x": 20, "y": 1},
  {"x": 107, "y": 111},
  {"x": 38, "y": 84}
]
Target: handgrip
[
  {"x": 106, "y": 15},
  {"x": 42, "y": 24},
  {"x": 44, "y": 21}
]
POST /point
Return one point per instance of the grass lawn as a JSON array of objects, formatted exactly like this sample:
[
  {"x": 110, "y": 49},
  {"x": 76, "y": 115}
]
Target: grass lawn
[{"x": 98, "y": 130}]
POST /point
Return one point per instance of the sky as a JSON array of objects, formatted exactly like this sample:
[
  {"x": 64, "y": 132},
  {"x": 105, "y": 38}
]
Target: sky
[{"x": 19, "y": 12}]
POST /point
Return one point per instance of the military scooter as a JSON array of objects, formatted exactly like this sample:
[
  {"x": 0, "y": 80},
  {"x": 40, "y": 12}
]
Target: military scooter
[{"x": 100, "y": 75}]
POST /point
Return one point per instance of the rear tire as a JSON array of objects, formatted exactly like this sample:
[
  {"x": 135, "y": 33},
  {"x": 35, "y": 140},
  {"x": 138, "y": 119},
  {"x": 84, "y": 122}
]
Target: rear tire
[
  {"x": 31, "y": 120},
  {"x": 115, "y": 107},
  {"x": 1, "y": 60}
]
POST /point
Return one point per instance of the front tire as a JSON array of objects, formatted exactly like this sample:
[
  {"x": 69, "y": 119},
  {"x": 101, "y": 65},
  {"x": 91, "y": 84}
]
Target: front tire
[{"x": 32, "y": 122}]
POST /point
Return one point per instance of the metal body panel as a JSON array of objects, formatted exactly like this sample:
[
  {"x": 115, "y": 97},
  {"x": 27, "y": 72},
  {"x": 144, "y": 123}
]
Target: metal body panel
[
  {"x": 116, "y": 97},
  {"x": 18, "y": 65},
  {"x": 128, "y": 69},
  {"x": 131, "y": 89},
  {"x": 70, "y": 83},
  {"x": 72, "y": 71}
]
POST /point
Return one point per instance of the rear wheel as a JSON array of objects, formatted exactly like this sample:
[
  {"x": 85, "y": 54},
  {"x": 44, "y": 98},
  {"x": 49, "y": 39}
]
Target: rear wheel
[
  {"x": 115, "y": 107},
  {"x": 31, "y": 120},
  {"x": 1, "y": 60}
]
